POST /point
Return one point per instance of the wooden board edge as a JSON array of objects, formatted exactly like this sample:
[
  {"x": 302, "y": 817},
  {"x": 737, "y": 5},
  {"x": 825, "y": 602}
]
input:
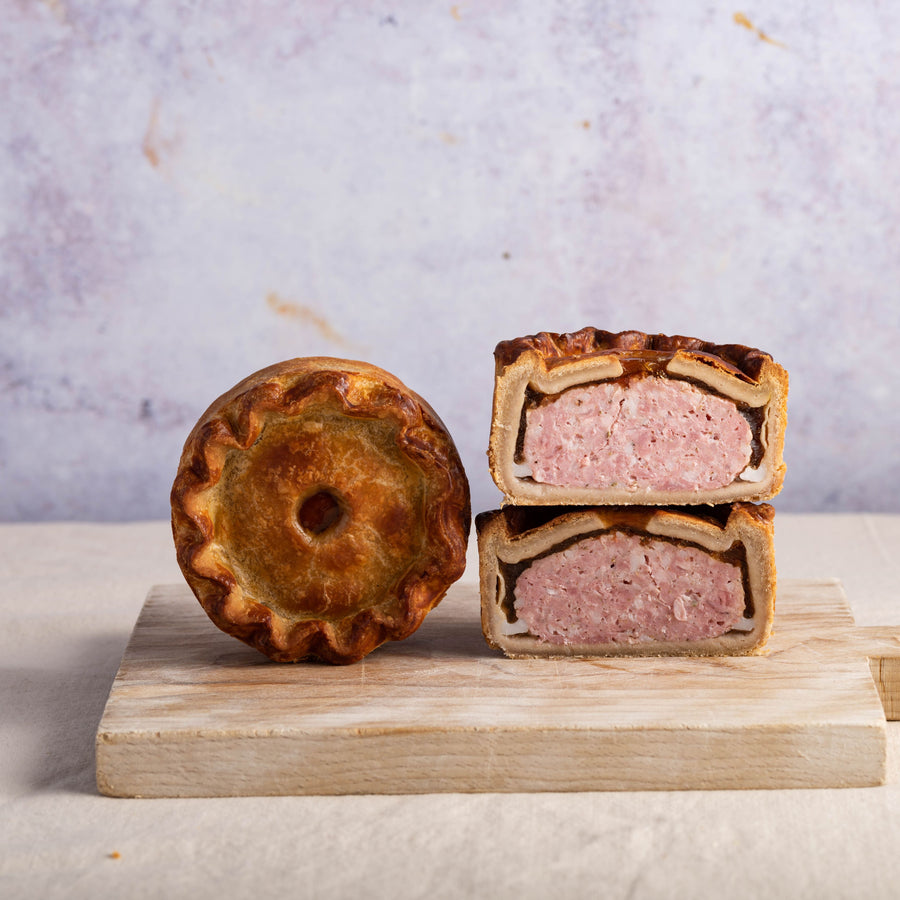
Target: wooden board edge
[
  {"x": 493, "y": 761},
  {"x": 886, "y": 675},
  {"x": 881, "y": 646}
]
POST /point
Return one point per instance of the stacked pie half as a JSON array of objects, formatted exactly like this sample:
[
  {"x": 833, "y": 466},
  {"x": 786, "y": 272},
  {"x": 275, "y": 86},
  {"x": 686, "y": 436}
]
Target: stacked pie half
[{"x": 632, "y": 468}]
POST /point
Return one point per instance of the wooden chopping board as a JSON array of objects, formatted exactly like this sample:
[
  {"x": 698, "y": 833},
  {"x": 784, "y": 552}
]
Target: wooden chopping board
[{"x": 193, "y": 712}]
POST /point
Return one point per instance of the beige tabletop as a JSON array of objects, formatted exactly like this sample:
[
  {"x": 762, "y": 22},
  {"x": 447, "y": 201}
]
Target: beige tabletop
[{"x": 70, "y": 594}]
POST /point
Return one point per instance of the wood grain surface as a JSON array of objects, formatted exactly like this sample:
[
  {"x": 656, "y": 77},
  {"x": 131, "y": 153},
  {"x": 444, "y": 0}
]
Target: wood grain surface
[{"x": 193, "y": 712}]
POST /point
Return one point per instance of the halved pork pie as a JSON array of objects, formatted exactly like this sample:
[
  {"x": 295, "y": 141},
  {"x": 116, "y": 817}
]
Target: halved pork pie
[
  {"x": 627, "y": 581},
  {"x": 594, "y": 417}
]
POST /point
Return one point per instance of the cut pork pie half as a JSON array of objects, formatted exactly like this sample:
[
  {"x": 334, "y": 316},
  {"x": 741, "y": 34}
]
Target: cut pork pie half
[
  {"x": 627, "y": 581},
  {"x": 594, "y": 417}
]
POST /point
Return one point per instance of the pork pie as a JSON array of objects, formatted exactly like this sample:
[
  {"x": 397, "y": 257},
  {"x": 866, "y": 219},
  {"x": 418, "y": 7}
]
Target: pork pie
[
  {"x": 627, "y": 581},
  {"x": 599, "y": 418},
  {"x": 320, "y": 508}
]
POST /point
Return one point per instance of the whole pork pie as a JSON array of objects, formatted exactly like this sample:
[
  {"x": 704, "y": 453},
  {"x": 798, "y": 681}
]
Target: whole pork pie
[
  {"x": 320, "y": 509},
  {"x": 594, "y": 417}
]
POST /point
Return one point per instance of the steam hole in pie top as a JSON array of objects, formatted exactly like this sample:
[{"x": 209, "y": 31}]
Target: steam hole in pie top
[{"x": 320, "y": 513}]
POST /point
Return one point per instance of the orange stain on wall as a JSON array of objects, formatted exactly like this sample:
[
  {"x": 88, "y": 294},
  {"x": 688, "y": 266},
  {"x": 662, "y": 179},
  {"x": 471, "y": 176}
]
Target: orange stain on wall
[
  {"x": 306, "y": 315},
  {"x": 155, "y": 146},
  {"x": 149, "y": 144},
  {"x": 744, "y": 22}
]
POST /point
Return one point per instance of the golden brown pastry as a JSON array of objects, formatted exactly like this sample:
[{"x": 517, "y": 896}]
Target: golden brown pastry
[
  {"x": 320, "y": 509},
  {"x": 599, "y": 418},
  {"x": 627, "y": 581}
]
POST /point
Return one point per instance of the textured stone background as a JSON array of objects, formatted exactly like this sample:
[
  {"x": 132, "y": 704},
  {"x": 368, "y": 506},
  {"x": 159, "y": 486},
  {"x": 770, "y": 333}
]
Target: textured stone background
[{"x": 188, "y": 193}]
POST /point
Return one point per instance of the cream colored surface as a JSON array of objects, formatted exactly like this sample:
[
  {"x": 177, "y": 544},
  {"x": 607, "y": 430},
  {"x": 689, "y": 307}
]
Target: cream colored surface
[{"x": 70, "y": 595}]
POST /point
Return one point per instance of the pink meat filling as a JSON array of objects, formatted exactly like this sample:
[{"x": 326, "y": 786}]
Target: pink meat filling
[
  {"x": 647, "y": 433},
  {"x": 621, "y": 588}
]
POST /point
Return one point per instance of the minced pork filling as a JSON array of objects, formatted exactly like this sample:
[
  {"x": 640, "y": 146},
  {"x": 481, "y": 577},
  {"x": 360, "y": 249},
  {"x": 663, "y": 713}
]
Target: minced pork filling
[
  {"x": 642, "y": 433},
  {"x": 620, "y": 587}
]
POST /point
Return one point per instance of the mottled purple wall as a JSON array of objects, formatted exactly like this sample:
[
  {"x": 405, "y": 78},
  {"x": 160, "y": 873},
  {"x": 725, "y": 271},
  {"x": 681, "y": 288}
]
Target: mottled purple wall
[{"x": 189, "y": 192}]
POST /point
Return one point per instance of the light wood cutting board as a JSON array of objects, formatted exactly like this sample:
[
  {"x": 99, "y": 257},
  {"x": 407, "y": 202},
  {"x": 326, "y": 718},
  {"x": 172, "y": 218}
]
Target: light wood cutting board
[{"x": 193, "y": 712}]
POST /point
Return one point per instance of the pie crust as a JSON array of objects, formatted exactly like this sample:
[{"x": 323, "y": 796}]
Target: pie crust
[
  {"x": 320, "y": 509},
  {"x": 512, "y": 538},
  {"x": 531, "y": 369}
]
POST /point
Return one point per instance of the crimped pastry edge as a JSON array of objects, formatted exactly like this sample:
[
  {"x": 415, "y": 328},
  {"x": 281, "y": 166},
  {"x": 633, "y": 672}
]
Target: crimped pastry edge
[
  {"x": 516, "y": 534},
  {"x": 232, "y": 422},
  {"x": 548, "y": 363},
  {"x": 553, "y": 347}
]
